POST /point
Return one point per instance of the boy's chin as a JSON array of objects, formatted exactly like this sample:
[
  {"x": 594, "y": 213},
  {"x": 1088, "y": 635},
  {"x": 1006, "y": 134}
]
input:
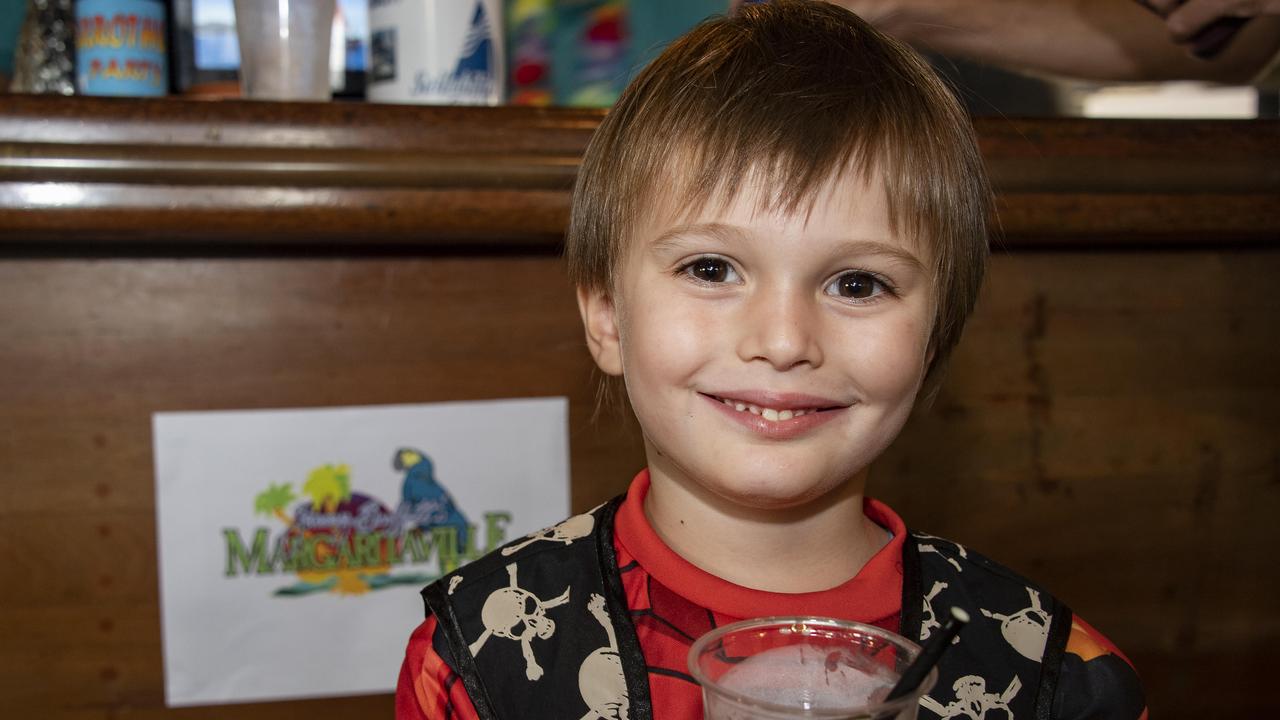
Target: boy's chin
[
  {"x": 773, "y": 493},
  {"x": 746, "y": 479}
]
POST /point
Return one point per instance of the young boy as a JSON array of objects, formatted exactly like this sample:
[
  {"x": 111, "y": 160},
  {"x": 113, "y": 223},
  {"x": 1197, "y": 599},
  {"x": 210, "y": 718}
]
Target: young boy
[{"x": 777, "y": 235}]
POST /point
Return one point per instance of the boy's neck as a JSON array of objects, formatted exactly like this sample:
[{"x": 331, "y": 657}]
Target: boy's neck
[{"x": 812, "y": 547}]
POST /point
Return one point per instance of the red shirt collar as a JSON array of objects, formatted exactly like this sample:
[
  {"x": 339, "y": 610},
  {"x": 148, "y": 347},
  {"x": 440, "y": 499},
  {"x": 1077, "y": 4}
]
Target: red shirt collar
[{"x": 872, "y": 596}]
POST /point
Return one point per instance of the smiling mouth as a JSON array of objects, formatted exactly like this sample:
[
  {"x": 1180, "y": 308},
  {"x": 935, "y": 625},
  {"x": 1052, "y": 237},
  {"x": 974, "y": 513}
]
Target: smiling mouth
[{"x": 768, "y": 413}]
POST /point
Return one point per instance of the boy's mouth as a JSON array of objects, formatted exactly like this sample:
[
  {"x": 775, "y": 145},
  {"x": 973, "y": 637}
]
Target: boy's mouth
[{"x": 772, "y": 414}]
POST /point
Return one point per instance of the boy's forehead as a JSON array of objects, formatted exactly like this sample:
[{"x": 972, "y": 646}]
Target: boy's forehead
[{"x": 854, "y": 193}]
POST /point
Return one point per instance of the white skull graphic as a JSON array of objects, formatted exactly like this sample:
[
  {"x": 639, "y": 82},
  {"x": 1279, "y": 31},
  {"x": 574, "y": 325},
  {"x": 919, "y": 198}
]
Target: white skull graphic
[
  {"x": 973, "y": 701},
  {"x": 517, "y": 614},
  {"x": 1027, "y": 630},
  {"x": 600, "y": 679}
]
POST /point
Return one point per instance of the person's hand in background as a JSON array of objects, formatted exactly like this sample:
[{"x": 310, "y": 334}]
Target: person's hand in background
[
  {"x": 1186, "y": 18},
  {"x": 1195, "y": 23},
  {"x": 1109, "y": 40}
]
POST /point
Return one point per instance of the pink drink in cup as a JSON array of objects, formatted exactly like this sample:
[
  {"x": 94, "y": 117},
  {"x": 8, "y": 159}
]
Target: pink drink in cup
[{"x": 796, "y": 667}]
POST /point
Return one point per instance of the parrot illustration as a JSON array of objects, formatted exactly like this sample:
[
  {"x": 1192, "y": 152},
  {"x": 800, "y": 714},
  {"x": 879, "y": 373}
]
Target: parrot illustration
[{"x": 420, "y": 486}]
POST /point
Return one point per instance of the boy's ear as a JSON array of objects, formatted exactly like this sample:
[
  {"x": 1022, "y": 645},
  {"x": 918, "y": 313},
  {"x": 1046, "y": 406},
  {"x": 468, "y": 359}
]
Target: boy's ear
[{"x": 600, "y": 320}]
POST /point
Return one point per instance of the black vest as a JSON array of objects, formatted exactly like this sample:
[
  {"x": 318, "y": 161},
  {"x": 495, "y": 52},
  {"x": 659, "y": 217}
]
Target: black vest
[{"x": 541, "y": 629}]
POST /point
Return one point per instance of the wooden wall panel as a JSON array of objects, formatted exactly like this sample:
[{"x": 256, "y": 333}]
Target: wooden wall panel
[
  {"x": 1111, "y": 428},
  {"x": 1108, "y": 427}
]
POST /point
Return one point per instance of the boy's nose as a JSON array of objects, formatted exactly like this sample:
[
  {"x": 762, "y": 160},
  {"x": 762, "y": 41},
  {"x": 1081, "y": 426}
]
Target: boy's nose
[{"x": 780, "y": 328}]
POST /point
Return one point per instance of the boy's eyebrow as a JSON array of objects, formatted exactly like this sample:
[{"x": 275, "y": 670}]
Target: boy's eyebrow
[
  {"x": 670, "y": 238},
  {"x": 875, "y": 247}
]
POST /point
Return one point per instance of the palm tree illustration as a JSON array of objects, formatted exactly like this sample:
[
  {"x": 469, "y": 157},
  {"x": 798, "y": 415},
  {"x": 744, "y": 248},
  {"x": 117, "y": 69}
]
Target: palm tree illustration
[
  {"x": 328, "y": 487},
  {"x": 274, "y": 500}
]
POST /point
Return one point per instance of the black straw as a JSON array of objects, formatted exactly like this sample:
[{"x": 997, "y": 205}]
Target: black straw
[{"x": 929, "y": 656}]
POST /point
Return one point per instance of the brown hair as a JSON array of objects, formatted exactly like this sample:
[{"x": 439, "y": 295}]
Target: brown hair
[{"x": 793, "y": 92}]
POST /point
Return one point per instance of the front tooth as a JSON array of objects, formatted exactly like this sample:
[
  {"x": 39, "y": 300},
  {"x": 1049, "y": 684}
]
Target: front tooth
[
  {"x": 785, "y": 415},
  {"x": 769, "y": 414},
  {"x": 739, "y": 406},
  {"x": 754, "y": 409}
]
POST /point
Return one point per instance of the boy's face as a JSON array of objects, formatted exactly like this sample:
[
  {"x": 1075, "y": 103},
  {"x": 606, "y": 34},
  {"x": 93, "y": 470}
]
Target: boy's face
[{"x": 769, "y": 357}]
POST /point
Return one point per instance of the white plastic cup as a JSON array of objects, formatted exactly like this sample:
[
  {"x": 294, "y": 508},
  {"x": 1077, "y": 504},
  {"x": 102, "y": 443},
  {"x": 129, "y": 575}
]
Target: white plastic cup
[
  {"x": 783, "y": 668},
  {"x": 284, "y": 48}
]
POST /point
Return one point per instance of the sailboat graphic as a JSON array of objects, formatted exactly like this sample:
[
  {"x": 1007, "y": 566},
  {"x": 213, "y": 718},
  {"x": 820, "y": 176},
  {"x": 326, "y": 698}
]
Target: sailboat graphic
[
  {"x": 476, "y": 77},
  {"x": 477, "y": 50}
]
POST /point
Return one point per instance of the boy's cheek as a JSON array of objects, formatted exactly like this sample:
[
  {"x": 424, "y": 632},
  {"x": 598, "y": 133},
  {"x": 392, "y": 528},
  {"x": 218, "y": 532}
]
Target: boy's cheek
[
  {"x": 670, "y": 358},
  {"x": 661, "y": 322},
  {"x": 890, "y": 365}
]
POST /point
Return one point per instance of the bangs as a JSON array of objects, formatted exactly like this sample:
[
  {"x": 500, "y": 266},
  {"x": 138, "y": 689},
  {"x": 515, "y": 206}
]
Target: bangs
[{"x": 775, "y": 114}]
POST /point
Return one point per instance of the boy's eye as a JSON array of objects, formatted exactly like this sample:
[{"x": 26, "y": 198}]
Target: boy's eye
[
  {"x": 856, "y": 286},
  {"x": 711, "y": 270}
]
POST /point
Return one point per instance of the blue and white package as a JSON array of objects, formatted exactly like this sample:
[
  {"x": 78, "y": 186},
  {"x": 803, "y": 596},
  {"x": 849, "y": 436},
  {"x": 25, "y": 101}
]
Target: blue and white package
[
  {"x": 121, "y": 47},
  {"x": 446, "y": 52}
]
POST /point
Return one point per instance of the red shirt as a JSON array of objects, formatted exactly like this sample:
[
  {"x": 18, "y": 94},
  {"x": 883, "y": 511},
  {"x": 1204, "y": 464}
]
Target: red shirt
[{"x": 667, "y": 621}]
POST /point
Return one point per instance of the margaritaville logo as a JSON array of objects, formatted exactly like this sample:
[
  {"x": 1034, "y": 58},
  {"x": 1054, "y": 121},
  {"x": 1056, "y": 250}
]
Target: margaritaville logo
[{"x": 346, "y": 542}]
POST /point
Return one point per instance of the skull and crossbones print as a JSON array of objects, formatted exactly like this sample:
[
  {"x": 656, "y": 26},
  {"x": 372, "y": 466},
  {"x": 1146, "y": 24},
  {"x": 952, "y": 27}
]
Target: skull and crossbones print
[
  {"x": 973, "y": 701},
  {"x": 600, "y": 678},
  {"x": 932, "y": 547},
  {"x": 575, "y": 528},
  {"x": 929, "y": 622},
  {"x": 1027, "y": 630},
  {"x": 516, "y": 614}
]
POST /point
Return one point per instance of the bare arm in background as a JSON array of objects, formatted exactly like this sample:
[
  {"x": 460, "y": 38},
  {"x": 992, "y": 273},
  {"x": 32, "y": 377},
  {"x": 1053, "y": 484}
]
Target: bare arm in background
[{"x": 1115, "y": 40}]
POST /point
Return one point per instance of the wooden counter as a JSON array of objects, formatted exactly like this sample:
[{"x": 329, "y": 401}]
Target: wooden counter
[{"x": 1109, "y": 426}]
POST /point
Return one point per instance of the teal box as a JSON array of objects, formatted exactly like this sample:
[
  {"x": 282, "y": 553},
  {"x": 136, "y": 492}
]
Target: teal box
[
  {"x": 121, "y": 47},
  {"x": 599, "y": 45}
]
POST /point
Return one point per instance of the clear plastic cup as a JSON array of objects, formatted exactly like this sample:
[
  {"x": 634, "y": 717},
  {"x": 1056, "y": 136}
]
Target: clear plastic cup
[
  {"x": 780, "y": 668},
  {"x": 284, "y": 48}
]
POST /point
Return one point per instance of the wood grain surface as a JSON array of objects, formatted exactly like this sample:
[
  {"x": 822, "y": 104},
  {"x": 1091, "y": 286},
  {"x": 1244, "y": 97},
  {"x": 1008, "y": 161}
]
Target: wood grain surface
[
  {"x": 169, "y": 172},
  {"x": 1109, "y": 425}
]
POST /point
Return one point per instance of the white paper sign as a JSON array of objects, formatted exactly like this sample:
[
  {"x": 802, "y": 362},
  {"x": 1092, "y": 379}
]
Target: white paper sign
[{"x": 293, "y": 543}]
